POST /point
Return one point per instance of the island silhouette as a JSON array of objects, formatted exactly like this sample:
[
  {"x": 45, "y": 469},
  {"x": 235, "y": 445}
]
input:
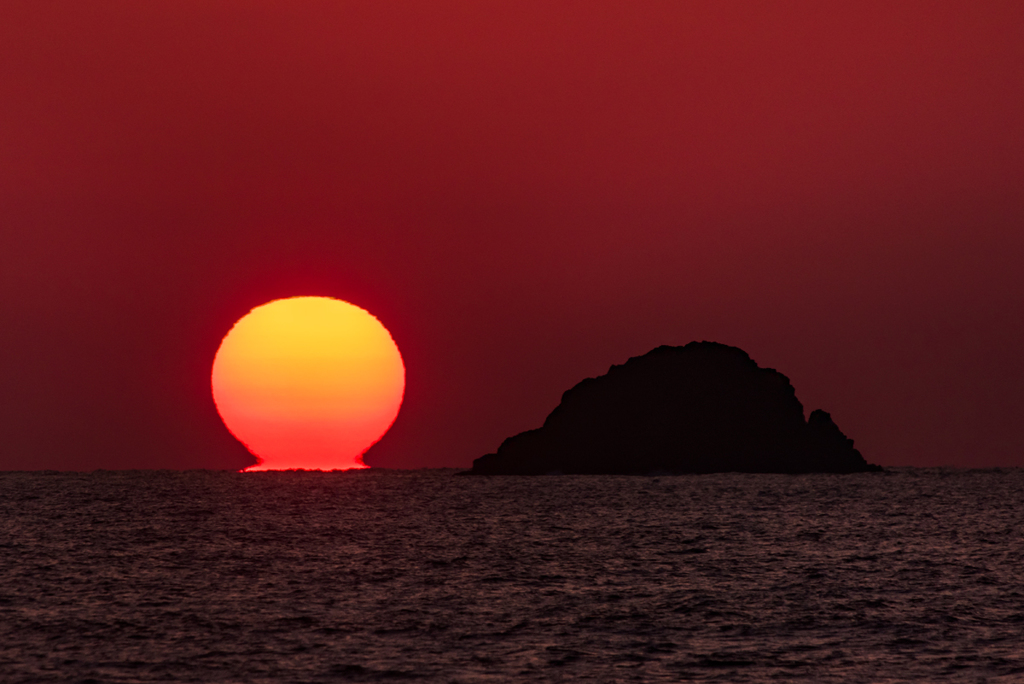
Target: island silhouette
[{"x": 702, "y": 408}]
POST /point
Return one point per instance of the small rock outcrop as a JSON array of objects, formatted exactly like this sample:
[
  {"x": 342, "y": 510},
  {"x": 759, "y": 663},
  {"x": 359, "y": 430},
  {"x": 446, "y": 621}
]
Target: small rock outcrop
[{"x": 702, "y": 408}]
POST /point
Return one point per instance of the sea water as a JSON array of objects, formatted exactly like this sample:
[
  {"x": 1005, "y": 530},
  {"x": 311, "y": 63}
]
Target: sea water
[{"x": 377, "y": 575}]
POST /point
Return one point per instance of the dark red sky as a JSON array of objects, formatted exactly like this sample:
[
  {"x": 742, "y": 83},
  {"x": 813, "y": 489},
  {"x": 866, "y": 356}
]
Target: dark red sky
[{"x": 524, "y": 193}]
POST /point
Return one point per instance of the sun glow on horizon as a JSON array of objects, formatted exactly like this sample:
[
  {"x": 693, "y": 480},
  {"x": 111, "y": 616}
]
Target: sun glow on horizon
[{"x": 308, "y": 382}]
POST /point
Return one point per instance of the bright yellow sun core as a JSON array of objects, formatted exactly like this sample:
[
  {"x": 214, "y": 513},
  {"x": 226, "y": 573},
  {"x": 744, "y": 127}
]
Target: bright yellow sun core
[{"x": 308, "y": 382}]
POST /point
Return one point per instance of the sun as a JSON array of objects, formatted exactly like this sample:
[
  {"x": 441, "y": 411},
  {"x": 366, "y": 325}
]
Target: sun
[{"x": 308, "y": 383}]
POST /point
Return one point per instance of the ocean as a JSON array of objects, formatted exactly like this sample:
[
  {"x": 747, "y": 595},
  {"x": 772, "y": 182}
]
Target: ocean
[{"x": 913, "y": 575}]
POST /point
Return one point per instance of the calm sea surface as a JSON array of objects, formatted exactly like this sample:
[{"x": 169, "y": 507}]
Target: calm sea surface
[{"x": 912, "y": 575}]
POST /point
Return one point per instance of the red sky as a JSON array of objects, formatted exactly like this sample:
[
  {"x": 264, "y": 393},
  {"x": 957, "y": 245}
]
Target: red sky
[{"x": 524, "y": 193}]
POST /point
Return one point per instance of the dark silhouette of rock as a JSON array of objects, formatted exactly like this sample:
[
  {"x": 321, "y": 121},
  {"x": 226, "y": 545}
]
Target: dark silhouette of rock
[{"x": 702, "y": 408}]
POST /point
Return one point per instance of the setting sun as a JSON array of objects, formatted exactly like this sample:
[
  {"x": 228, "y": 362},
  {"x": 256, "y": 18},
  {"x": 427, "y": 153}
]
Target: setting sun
[{"x": 308, "y": 382}]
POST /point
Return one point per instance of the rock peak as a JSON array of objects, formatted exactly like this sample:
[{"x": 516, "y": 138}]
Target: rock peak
[{"x": 702, "y": 408}]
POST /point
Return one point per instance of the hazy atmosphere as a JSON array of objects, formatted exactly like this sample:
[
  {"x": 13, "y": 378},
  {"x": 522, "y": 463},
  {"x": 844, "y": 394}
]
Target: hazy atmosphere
[{"x": 524, "y": 193}]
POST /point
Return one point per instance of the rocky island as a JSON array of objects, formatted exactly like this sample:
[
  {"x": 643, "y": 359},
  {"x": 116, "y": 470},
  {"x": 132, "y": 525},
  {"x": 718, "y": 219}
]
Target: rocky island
[{"x": 702, "y": 408}]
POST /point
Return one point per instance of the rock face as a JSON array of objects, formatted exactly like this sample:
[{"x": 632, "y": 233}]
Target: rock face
[{"x": 702, "y": 408}]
